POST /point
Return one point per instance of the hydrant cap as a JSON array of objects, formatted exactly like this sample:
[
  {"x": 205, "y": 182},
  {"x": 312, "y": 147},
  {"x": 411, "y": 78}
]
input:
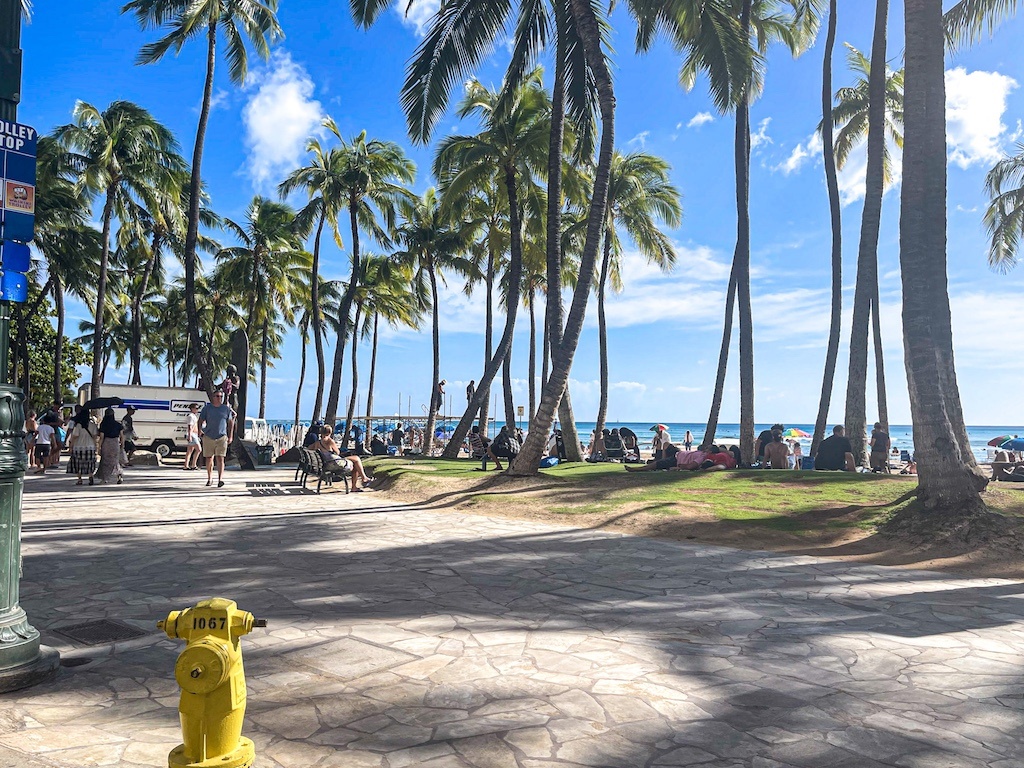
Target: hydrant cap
[{"x": 202, "y": 667}]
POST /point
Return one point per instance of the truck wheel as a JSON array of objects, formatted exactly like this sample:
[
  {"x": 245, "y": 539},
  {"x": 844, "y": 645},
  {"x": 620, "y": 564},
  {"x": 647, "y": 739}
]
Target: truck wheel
[{"x": 164, "y": 449}]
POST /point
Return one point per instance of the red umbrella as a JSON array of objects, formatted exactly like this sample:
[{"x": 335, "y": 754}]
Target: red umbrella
[{"x": 997, "y": 441}]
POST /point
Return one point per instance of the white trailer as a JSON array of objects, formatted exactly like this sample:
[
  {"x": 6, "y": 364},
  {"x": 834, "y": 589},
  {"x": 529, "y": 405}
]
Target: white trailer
[{"x": 160, "y": 419}]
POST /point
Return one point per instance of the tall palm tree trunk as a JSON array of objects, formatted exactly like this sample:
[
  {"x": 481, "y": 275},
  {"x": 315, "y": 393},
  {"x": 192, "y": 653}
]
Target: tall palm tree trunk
[
  {"x": 867, "y": 255},
  {"x": 835, "y": 211},
  {"x": 192, "y": 232},
  {"x": 318, "y": 333},
  {"x": 250, "y": 320},
  {"x": 213, "y": 331},
  {"x": 515, "y": 276},
  {"x": 949, "y": 478},
  {"x": 723, "y": 360},
  {"x": 428, "y": 432},
  {"x": 351, "y": 412},
  {"x": 298, "y": 390},
  {"x": 506, "y": 381},
  {"x": 346, "y": 309},
  {"x": 742, "y": 259},
  {"x": 602, "y": 336},
  {"x": 137, "y": 299},
  {"x": 263, "y": 367},
  {"x": 545, "y": 356},
  {"x": 369, "y": 392},
  {"x": 528, "y": 461},
  {"x": 485, "y": 408},
  {"x": 58, "y": 342},
  {"x": 101, "y": 297},
  {"x": 532, "y": 384},
  {"x": 876, "y": 332}
]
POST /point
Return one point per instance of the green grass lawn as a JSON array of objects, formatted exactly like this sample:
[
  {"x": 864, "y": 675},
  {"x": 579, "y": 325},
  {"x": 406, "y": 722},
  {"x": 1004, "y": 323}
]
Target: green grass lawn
[{"x": 786, "y": 501}]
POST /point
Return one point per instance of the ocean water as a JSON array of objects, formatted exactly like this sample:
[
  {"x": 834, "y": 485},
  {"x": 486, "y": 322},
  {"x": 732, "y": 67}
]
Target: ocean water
[{"x": 901, "y": 434}]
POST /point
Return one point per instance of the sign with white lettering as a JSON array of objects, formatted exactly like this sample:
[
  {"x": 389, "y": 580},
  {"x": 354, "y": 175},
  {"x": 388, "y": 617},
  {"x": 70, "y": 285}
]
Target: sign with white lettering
[{"x": 18, "y": 180}]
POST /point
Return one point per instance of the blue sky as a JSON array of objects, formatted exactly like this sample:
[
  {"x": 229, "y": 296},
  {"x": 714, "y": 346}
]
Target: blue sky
[{"x": 665, "y": 328}]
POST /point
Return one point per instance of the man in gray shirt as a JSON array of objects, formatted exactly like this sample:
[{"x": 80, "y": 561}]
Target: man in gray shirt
[{"x": 217, "y": 427}]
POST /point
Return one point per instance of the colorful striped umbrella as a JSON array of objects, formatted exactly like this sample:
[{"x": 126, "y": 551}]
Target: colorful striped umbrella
[{"x": 794, "y": 432}]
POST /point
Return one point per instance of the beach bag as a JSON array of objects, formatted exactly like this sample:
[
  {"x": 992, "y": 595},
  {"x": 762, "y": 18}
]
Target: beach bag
[{"x": 549, "y": 461}]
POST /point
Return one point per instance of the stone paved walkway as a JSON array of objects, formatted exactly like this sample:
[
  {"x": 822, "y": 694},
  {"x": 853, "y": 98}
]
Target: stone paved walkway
[{"x": 404, "y": 637}]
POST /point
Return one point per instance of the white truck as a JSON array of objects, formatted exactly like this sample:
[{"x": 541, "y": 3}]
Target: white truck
[{"x": 159, "y": 420}]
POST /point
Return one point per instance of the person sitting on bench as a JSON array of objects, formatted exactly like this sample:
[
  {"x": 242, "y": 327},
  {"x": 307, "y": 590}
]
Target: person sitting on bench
[
  {"x": 477, "y": 443},
  {"x": 329, "y": 451}
]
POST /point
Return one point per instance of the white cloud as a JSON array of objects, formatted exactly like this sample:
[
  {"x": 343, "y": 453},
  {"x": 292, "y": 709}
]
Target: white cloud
[
  {"x": 418, "y": 14},
  {"x": 640, "y": 140},
  {"x": 701, "y": 118},
  {"x": 975, "y": 103},
  {"x": 761, "y": 135},
  {"x": 279, "y": 117},
  {"x": 809, "y": 150}
]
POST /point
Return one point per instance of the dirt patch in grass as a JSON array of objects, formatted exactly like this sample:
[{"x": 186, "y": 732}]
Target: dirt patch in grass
[{"x": 835, "y": 515}]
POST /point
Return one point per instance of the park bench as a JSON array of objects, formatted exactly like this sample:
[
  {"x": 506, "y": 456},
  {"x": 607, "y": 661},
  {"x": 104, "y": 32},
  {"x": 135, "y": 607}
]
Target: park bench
[{"x": 311, "y": 463}]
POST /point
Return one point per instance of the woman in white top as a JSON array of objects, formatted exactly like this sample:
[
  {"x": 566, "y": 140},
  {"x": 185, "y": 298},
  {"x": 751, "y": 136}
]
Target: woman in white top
[
  {"x": 194, "y": 449},
  {"x": 82, "y": 440}
]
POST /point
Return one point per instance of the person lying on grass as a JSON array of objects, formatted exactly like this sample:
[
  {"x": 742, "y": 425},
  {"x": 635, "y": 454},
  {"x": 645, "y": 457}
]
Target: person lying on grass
[{"x": 711, "y": 457}]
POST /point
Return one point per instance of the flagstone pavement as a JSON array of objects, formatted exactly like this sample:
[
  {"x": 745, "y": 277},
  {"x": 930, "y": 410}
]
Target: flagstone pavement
[{"x": 404, "y": 636}]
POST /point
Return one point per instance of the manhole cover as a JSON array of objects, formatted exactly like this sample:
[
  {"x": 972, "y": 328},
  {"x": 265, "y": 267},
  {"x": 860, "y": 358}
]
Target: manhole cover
[{"x": 100, "y": 632}]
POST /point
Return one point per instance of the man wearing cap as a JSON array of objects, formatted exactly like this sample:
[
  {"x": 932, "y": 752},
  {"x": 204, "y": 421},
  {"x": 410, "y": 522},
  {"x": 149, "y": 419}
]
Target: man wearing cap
[{"x": 128, "y": 425}]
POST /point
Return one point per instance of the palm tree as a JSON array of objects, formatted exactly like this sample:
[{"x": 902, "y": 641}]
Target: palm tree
[
  {"x": 240, "y": 21},
  {"x": 432, "y": 244},
  {"x": 639, "y": 195},
  {"x": 164, "y": 228},
  {"x": 371, "y": 183},
  {"x": 513, "y": 145},
  {"x": 1004, "y": 217},
  {"x": 323, "y": 179},
  {"x": 949, "y": 478},
  {"x": 388, "y": 292},
  {"x": 129, "y": 158},
  {"x": 835, "y": 212},
  {"x": 736, "y": 75},
  {"x": 69, "y": 246},
  {"x": 266, "y": 268},
  {"x": 873, "y": 108},
  {"x": 326, "y": 304}
]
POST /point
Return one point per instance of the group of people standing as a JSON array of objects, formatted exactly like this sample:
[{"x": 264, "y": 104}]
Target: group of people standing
[{"x": 97, "y": 449}]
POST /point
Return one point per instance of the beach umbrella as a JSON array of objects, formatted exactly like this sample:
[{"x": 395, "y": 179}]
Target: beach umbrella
[
  {"x": 794, "y": 432},
  {"x": 659, "y": 428},
  {"x": 1015, "y": 444},
  {"x": 102, "y": 402},
  {"x": 998, "y": 441}
]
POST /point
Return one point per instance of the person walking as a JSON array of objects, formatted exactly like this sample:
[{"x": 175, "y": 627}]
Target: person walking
[
  {"x": 128, "y": 424},
  {"x": 217, "y": 429},
  {"x": 688, "y": 440},
  {"x": 194, "y": 449},
  {"x": 82, "y": 440},
  {"x": 45, "y": 437},
  {"x": 880, "y": 443},
  {"x": 470, "y": 390},
  {"x": 31, "y": 430},
  {"x": 111, "y": 445}
]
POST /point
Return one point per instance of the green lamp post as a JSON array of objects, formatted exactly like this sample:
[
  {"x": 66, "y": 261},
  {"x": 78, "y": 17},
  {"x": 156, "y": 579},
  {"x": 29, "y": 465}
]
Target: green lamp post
[{"x": 23, "y": 661}]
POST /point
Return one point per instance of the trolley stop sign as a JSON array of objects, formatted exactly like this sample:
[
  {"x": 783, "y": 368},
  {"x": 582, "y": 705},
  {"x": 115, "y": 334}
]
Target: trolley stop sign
[{"x": 18, "y": 180}]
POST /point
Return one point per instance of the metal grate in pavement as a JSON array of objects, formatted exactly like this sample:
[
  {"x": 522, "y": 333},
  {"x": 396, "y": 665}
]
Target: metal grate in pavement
[{"x": 100, "y": 631}]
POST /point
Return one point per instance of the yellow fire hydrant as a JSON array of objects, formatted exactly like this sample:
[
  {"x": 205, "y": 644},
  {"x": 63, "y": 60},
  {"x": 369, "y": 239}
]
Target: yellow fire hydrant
[{"x": 212, "y": 682}]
